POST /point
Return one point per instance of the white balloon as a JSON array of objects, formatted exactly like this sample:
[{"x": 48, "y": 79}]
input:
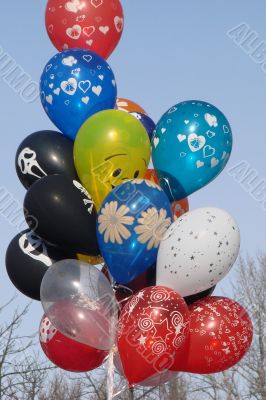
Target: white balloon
[{"x": 197, "y": 251}]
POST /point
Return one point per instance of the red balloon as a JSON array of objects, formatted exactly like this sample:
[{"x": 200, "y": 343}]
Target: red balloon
[
  {"x": 152, "y": 332},
  {"x": 220, "y": 335},
  {"x": 96, "y": 25},
  {"x": 67, "y": 353},
  {"x": 156, "y": 380}
]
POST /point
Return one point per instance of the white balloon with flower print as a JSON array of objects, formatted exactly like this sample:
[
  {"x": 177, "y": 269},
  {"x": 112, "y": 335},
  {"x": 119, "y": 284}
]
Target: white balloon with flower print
[{"x": 132, "y": 220}]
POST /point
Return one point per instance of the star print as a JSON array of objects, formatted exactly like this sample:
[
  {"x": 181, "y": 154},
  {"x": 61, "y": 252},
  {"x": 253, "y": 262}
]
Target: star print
[
  {"x": 215, "y": 233},
  {"x": 164, "y": 327},
  {"x": 192, "y": 257},
  {"x": 198, "y": 309},
  {"x": 142, "y": 340},
  {"x": 140, "y": 295},
  {"x": 179, "y": 239},
  {"x": 209, "y": 220},
  {"x": 227, "y": 350},
  {"x": 220, "y": 244},
  {"x": 218, "y": 254},
  {"x": 191, "y": 233}
]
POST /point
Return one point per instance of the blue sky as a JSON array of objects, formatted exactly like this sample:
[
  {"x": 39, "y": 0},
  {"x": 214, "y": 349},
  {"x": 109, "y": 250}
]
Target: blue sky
[{"x": 170, "y": 51}]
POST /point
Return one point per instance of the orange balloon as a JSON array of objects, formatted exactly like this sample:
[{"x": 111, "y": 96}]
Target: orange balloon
[
  {"x": 129, "y": 106},
  {"x": 179, "y": 207},
  {"x": 151, "y": 176},
  {"x": 94, "y": 260}
]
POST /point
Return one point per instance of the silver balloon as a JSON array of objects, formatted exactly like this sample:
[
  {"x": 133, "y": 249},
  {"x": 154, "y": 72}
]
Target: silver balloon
[{"x": 79, "y": 301}]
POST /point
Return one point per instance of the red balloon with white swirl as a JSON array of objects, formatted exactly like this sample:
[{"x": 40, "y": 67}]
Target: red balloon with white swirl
[
  {"x": 152, "y": 333},
  {"x": 66, "y": 353},
  {"x": 220, "y": 335}
]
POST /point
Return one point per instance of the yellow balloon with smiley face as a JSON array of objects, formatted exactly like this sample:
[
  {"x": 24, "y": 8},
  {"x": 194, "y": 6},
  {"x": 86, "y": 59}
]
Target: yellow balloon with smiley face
[{"x": 111, "y": 147}]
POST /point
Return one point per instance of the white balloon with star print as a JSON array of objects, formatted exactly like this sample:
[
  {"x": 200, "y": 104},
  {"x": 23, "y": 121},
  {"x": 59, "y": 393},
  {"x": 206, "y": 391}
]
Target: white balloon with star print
[{"x": 197, "y": 251}]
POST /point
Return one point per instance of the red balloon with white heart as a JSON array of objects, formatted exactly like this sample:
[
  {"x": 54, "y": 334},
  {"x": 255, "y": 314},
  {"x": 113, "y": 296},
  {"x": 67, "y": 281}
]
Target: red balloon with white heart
[
  {"x": 220, "y": 335},
  {"x": 96, "y": 25}
]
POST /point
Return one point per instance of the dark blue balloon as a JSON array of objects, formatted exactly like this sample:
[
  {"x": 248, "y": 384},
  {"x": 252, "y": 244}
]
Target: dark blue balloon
[
  {"x": 146, "y": 121},
  {"x": 76, "y": 84},
  {"x": 131, "y": 223}
]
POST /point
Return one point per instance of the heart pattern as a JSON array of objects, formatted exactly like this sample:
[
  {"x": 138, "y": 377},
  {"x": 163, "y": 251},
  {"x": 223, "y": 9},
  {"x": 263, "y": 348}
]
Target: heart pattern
[
  {"x": 196, "y": 142},
  {"x": 118, "y": 24},
  {"x": 104, "y": 29},
  {"x": 48, "y": 67},
  {"x": 69, "y": 86},
  {"x": 84, "y": 86},
  {"x": 97, "y": 90},
  {"x": 156, "y": 141},
  {"x": 49, "y": 99},
  {"x": 226, "y": 129},
  {"x": 74, "y": 32},
  {"x": 210, "y": 134},
  {"x": 85, "y": 100},
  {"x": 96, "y": 3},
  {"x": 211, "y": 120},
  {"x": 208, "y": 151},
  {"x": 73, "y": 6},
  {"x": 87, "y": 58},
  {"x": 214, "y": 162},
  {"x": 199, "y": 164},
  {"x": 181, "y": 138},
  {"x": 89, "y": 30}
]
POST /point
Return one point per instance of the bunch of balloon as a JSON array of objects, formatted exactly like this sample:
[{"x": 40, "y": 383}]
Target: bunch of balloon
[
  {"x": 75, "y": 84},
  {"x": 91, "y": 199}
]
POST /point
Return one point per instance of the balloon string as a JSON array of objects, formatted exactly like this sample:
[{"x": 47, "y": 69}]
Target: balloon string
[
  {"x": 110, "y": 376},
  {"x": 120, "y": 391}
]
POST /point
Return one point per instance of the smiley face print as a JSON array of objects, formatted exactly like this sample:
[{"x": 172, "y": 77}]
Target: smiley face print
[{"x": 111, "y": 147}]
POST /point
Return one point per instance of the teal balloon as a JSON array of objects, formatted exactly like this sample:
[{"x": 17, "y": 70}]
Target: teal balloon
[{"x": 191, "y": 145}]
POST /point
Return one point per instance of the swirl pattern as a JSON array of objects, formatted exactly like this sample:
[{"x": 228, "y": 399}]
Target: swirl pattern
[
  {"x": 159, "y": 295},
  {"x": 178, "y": 341},
  {"x": 159, "y": 347},
  {"x": 146, "y": 324},
  {"x": 177, "y": 319}
]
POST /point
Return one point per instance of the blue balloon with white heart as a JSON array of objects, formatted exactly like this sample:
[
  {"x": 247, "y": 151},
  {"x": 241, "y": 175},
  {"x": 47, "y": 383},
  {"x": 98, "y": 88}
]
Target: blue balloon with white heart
[
  {"x": 146, "y": 121},
  {"x": 132, "y": 220},
  {"x": 76, "y": 84},
  {"x": 191, "y": 146}
]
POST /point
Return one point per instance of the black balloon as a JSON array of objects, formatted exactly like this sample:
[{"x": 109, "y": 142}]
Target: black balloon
[
  {"x": 44, "y": 153},
  {"x": 27, "y": 259},
  {"x": 65, "y": 213},
  {"x": 198, "y": 296}
]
